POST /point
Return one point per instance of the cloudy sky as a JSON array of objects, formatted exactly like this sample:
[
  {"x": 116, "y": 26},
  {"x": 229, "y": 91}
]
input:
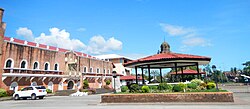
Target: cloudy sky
[{"x": 135, "y": 28}]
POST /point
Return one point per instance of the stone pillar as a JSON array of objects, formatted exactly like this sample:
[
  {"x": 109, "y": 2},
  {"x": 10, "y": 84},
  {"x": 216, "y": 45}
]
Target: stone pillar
[{"x": 2, "y": 30}]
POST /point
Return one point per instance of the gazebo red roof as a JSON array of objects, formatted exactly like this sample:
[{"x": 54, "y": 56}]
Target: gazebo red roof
[
  {"x": 187, "y": 72},
  {"x": 168, "y": 57},
  {"x": 130, "y": 78}
]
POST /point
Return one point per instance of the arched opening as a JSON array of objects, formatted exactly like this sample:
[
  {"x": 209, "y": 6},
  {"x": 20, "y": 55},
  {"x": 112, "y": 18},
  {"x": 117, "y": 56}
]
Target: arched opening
[
  {"x": 85, "y": 69},
  {"x": 14, "y": 86},
  {"x": 70, "y": 85},
  {"x": 91, "y": 70},
  {"x": 97, "y": 70},
  {"x": 46, "y": 66},
  {"x": 23, "y": 64},
  {"x": 35, "y": 65},
  {"x": 34, "y": 83},
  {"x": 8, "y": 64},
  {"x": 50, "y": 86},
  {"x": 56, "y": 67}
]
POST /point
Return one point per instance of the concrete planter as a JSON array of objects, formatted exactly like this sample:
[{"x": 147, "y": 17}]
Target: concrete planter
[{"x": 169, "y": 97}]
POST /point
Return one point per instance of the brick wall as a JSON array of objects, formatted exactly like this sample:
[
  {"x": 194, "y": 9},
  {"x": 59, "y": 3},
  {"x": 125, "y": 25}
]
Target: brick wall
[{"x": 169, "y": 97}]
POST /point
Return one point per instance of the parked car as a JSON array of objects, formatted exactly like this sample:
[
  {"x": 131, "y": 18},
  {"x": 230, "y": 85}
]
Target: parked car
[{"x": 32, "y": 92}]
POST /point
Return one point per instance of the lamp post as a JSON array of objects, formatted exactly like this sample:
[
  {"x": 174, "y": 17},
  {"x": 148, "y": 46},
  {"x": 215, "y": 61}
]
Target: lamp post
[
  {"x": 215, "y": 74},
  {"x": 114, "y": 76}
]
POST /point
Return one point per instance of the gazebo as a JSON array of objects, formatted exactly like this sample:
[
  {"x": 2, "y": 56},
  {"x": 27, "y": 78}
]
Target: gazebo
[
  {"x": 167, "y": 59},
  {"x": 186, "y": 72}
]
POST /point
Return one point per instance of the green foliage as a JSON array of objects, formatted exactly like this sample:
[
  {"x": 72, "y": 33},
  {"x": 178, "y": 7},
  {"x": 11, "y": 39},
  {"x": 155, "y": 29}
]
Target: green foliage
[
  {"x": 192, "y": 85},
  {"x": 197, "y": 81},
  {"x": 179, "y": 87},
  {"x": 134, "y": 88},
  {"x": 165, "y": 86},
  {"x": 211, "y": 85},
  {"x": 124, "y": 88},
  {"x": 85, "y": 84},
  {"x": 145, "y": 89},
  {"x": 3, "y": 93},
  {"x": 153, "y": 87},
  {"x": 48, "y": 91},
  {"x": 108, "y": 82}
]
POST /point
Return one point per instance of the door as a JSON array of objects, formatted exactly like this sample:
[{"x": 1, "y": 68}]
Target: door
[{"x": 70, "y": 85}]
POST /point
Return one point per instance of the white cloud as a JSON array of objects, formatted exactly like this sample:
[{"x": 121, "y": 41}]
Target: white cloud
[
  {"x": 174, "y": 30},
  {"x": 24, "y": 31},
  {"x": 189, "y": 36},
  {"x": 196, "y": 41},
  {"x": 98, "y": 45},
  {"x": 60, "y": 38},
  {"x": 81, "y": 29}
]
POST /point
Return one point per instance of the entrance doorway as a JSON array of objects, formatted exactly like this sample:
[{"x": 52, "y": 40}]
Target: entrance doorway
[{"x": 70, "y": 85}]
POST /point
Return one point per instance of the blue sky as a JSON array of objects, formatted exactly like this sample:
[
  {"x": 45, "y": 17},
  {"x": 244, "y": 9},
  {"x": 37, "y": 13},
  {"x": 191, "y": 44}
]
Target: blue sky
[{"x": 219, "y": 29}]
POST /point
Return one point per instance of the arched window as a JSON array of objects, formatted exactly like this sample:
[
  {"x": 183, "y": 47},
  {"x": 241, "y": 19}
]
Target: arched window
[
  {"x": 56, "y": 67},
  {"x": 108, "y": 71},
  {"x": 46, "y": 66},
  {"x": 91, "y": 70},
  {"x": 23, "y": 64},
  {"x": 85, "y": 69},
  {"x": 35, "y": 65},
  {"x": 9, "y": 63},
  {"x": 97, "y": 70},
  {"x": 104, "y": 71}
]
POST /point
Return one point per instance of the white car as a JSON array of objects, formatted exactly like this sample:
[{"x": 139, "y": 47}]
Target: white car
[{"x": 32, "y": 92}]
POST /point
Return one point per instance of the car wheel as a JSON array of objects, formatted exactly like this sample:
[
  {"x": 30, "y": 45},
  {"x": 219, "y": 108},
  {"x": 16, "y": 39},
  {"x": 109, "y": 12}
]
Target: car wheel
[
  {"x": 33, "y": 96},
  {"x": 40, "y": 97},
  {"x": 16, "y": 97}
]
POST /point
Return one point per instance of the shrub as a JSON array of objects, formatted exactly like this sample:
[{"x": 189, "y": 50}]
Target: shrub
[
  {"x": 134, "y": 88},
  {"x": 3, "y": 93},
  {"x": 153, "y": 87},
  {"x": 179, "y": 87},
  {"x": 48, "y": 91},
  {"x": 197, "y": 81},
  {"x": 124, "y": 88},
  {"x": 211, "y": 85},
  {"x": 10, "y": 92},
  {"x": 192, "y": 85},
  {"x": 108, "y": 82},
  {"x": 145, "y": 89},
  {"x": 83, "y": 90},
  {"x": 85, "y": 84},
  {"x": 165, "y": 86},
  {"x": 107, "y": 87}
]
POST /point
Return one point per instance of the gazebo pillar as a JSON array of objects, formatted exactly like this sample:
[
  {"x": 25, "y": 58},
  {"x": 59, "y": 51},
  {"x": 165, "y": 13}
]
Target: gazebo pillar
[
  {"x": 143, "y": 81},
  {"x": 136, "y": 78},
  {"x": 175, "y": 66},
  {"x": 161, "y": 75},
  {"x": 198, "y": 71},
  {"x": 148, "y": 73},
  {"x": 182, "y": 76}
]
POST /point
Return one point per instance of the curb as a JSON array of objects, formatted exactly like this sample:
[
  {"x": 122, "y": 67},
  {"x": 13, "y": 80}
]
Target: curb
[{"x": 5, "y": 98}]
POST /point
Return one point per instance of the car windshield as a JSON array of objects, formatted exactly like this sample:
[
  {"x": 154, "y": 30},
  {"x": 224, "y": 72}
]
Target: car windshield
[{"x": 40, "y": 87}]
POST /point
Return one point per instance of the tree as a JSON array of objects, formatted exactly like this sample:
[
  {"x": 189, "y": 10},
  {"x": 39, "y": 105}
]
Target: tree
[{"x": 246, "y": 69}]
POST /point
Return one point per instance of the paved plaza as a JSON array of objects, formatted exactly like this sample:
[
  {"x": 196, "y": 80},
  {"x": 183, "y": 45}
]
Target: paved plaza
[{"x": 242, "y": 101}]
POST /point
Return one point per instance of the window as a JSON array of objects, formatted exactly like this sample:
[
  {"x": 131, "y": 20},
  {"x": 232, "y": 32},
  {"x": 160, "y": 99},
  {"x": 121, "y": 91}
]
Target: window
[
  {"x": 35, "y": 66},
  {"x": 23, "y": 64},
  {"x": 104, "y": 71},
  {"x": 8, "y": 63},
  {"x": 56, "y": 67},
  {"x": 108, "y": 71},
  {"x": 85, "y": 69},
  {"x": 46, "y": 66},
  {"x": 97, "y": 70},
  {"x": 91, "y": 70}
]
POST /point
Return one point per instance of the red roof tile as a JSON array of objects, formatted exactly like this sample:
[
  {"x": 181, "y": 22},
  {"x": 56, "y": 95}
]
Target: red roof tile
[
  {"x": 52, "y": 48},
  {"x": 187, "y": 72},
  {"x": 168, "y": 56},
  {"x": 7, "y": 38},
  {"x": 130, "y": 78},
  {"x": 18, "y": 41},
  {"x": 42, "y": 46},
  {"x": 31, "y": 43},
  {"x": 62, "y": 50}
]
